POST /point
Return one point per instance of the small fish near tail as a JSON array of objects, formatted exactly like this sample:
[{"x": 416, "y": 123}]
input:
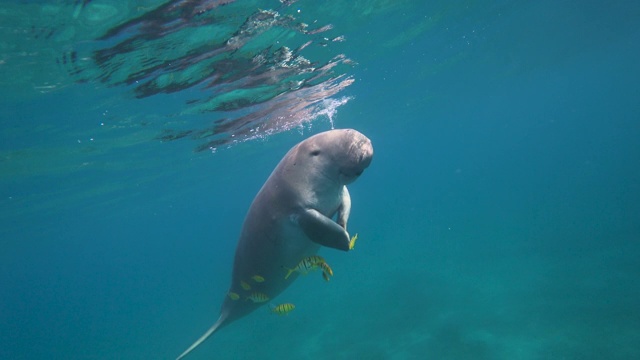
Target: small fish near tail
[
  {"x": 282, "y": 309},
  {"x": 204, "y": 337}
]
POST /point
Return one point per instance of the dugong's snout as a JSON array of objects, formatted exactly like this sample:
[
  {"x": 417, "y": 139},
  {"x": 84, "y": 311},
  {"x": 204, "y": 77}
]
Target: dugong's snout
[
  {"x": 358, "y": 156},
  {"x": 366, "y": 152}
]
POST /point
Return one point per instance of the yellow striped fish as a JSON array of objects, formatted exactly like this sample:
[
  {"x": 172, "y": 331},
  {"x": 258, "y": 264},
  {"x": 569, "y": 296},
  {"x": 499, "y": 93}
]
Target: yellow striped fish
[
  {"x": 257, "y": 278},
  {"x": 327, "y": 272},
  {"x": 316, "y": 259},
  {"x": 258, "y": 297},
  {"x": 244, "y": 285},
  {"x": 234, "y": 296},
  {"x": 306, "y": 265},
  {"x": 283, "y": 309},
  {"x": 352, "y": 242}
]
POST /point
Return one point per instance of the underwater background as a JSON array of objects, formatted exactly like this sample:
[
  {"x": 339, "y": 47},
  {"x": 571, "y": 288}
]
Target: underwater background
[{"x": 499, "y": 219}]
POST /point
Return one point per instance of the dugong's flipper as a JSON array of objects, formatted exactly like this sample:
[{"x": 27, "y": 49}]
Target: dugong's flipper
[
  {"x": 204, "y": 337},
  {"x": 322, "y": 230}
]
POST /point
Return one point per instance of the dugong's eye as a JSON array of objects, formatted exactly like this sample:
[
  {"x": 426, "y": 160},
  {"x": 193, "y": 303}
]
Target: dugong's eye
[{"x": 315, "y": 153}]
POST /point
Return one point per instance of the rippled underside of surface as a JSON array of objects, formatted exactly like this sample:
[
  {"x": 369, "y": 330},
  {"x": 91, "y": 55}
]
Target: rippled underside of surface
[{"x": 251, "y": 71}]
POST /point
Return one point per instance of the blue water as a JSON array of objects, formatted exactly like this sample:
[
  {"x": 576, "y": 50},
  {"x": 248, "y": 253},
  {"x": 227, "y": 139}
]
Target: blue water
[{"x": 499, "y": 219}]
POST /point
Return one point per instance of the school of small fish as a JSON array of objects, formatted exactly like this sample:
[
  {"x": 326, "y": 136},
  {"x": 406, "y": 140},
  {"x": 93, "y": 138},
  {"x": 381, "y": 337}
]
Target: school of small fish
[{"x": 305, "y": 266}]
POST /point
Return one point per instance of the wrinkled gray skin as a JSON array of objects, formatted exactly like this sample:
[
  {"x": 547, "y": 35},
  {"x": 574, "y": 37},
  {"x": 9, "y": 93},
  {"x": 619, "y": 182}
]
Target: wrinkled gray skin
[{"x": 292, "y": 216}]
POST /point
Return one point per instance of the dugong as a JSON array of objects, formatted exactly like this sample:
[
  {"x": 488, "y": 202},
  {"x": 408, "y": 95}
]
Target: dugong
[{"x": 292, "y": 216}]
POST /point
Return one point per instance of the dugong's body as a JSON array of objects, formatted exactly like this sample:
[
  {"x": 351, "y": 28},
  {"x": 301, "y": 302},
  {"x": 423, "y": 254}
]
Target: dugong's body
[{"x": 292, "y": 216}]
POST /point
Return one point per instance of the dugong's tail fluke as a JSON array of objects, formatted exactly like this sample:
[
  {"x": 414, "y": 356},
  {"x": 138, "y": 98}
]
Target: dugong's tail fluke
[{"x": 204, "y": 337}]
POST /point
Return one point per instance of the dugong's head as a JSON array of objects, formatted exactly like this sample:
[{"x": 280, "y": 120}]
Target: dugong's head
[{"x": 343, "y": 154}]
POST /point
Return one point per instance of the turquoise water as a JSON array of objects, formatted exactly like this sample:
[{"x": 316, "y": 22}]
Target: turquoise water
[{"x": 499, "y": 219}]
